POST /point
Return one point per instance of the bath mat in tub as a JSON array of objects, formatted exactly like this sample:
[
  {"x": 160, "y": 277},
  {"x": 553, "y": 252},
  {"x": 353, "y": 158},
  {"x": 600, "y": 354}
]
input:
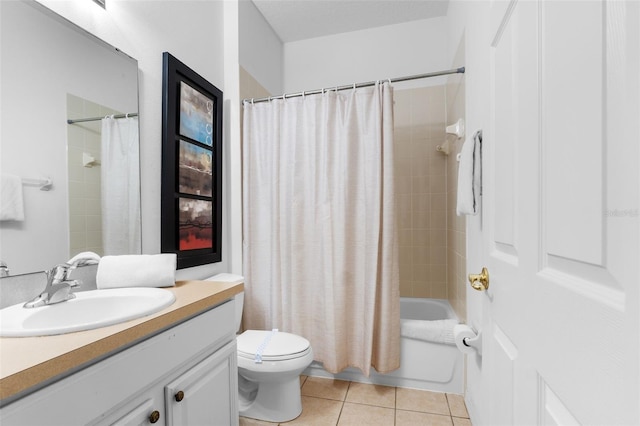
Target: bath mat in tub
[{"x": 438, "y": 331}]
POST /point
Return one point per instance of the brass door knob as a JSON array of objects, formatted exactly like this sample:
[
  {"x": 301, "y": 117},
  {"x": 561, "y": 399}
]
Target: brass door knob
[
  {"x": 154, "y": 417},
  {"x": 480, "y": 281},
  {"x": 179, "y": 396}
]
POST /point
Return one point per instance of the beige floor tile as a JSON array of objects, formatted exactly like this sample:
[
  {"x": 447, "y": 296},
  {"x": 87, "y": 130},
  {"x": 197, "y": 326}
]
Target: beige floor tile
[
  {"x": 457, "y": 421},
  {"x": 359, "y": 414},
  {"x": 325, "y": 388},
  {"x": 413, "y": 418},
  {"x": 421, "y": 400},
  {"x": 364, "y": 393},
  {"x": 457, "y": 406},
  {"x": 302, "y": 380},
  {"x": 317, "y": 412}
]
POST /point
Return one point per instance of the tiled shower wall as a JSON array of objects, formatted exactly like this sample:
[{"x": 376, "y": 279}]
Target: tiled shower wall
[
  {"x": 85, "y": 217},
  {"x": 421, "y": 199}
]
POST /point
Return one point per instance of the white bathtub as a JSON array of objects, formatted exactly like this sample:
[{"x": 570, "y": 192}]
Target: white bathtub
[{"x": 423, "y": 365}]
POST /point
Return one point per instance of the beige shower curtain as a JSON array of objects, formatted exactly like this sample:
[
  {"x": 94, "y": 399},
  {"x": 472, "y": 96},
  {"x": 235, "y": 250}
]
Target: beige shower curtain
[{"x": 320, "y": 243}]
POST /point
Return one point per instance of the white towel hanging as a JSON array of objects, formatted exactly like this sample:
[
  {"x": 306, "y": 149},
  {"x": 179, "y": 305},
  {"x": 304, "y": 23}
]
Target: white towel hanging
[
  {"x": 470, "y": 176},
  {"x": 11, "y": 203}
]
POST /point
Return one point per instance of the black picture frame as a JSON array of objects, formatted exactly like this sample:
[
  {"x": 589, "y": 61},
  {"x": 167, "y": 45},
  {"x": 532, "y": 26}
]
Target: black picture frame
[{"x": 191, "y": 198}]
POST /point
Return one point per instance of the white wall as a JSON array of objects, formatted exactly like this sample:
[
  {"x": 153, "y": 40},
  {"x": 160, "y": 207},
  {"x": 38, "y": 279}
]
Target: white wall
[
  {"x": 261, "y": 51},
  {"x": 385, "y": 52},
  {"x": 193, "y": 32}
]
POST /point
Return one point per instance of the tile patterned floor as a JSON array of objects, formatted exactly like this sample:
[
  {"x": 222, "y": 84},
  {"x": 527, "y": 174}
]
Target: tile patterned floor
[{"x": 342, "y": 403}]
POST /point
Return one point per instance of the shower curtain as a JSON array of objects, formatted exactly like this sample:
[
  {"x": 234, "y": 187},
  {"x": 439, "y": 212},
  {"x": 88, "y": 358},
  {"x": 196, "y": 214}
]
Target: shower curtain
[
  {"x": 319, "y": 235},
  {"x": 120, "y": 163}
]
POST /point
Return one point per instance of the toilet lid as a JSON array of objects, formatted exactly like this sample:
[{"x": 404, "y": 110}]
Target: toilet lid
[{"x": 279, "y": 346}]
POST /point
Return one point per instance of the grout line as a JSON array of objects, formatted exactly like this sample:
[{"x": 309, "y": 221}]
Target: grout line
[
  {"x": 395, "y": 405},
  {"x": 448, "y": 405},
  {"x": 344, "y": 398}
]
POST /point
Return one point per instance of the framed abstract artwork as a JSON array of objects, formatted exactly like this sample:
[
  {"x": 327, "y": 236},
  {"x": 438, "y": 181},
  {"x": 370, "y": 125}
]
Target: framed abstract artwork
[{"x": 191, "y": 200}]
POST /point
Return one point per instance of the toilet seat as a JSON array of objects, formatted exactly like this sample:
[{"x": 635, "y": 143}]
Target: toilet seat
[{"x": 280, "y": 346}]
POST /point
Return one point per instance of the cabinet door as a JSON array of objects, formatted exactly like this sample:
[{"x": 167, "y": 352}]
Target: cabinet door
[
  {"x": 207, "y": 393},
  {"x": 143, "y": 414},
  {"x": 145, "y": 409}
]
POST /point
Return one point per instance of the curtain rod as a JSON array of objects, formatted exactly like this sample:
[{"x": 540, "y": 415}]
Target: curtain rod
[
  {"x": 82, "y": 120},
  {"x": 460, "y": 70}
]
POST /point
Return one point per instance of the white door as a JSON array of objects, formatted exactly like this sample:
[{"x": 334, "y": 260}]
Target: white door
[{"x": 560, "y": 225}]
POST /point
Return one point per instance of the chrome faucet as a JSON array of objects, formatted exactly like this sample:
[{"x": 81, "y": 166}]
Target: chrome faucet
[
  {"x": 59, "y": 285},
  {"x": 4, "y": 269}
]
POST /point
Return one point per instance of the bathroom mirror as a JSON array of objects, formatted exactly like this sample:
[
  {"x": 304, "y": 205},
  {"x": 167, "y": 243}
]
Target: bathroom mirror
[{"x": 52, "y": 71}]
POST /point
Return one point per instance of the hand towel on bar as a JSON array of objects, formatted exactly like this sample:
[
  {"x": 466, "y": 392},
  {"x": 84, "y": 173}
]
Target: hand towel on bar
[
  {"x": 470, "y": 176},
  {"x": 11, "y": 202},
  {"x": 142, "y": 270}
]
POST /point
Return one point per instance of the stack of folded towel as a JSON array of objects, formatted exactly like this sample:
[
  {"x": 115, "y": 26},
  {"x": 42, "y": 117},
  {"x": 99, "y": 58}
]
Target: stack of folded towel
[{"x": 145, "y": 270}]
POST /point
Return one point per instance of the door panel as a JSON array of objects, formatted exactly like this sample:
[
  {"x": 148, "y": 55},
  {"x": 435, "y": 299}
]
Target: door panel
[
  {"x": 554, "y": 412},
  {"x": 505, "y": 150},
  {"x": 571, "y": 88},
  {"x": 502, "y": 358}
]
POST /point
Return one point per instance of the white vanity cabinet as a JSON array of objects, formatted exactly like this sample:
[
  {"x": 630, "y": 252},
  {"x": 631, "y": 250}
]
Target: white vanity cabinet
[{"x": 186, "y": 375}]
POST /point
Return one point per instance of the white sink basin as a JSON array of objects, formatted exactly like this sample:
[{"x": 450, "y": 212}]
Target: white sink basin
[{"x": 89, "y": 310}]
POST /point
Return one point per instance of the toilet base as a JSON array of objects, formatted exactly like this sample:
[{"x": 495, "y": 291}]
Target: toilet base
[{"x": 272, "y": 401}]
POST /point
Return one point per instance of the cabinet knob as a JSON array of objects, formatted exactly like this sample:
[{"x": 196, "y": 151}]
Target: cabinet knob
[
  {"x": 179, "y": 396},
  {"x": 154, "y": 417}
]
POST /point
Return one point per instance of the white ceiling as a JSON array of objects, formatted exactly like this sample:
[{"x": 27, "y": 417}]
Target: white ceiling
[{"x": 296, "y": 20}]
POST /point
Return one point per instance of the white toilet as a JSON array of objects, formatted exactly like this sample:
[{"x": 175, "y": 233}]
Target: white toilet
[{"x": 269, "y": 368}]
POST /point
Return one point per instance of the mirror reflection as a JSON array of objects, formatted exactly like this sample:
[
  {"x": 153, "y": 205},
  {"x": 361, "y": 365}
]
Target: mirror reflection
[{"x": 67, "y": 187}]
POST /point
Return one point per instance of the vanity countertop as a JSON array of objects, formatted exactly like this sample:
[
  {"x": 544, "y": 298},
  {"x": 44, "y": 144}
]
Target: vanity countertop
[{"x": 27, "y": 363}]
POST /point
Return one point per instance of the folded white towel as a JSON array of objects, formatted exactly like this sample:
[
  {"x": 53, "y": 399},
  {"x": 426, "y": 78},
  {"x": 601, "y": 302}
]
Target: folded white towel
[
  {"x": 11, "y": 203},
  {"x": 438, "y": 331},
  {"x": 470, "y": 176},
  {"x": 142, "y": 270}
]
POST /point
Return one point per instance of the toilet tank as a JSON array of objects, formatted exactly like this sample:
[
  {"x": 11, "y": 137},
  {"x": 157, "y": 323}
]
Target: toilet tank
[{"x": 238, "y": 298}]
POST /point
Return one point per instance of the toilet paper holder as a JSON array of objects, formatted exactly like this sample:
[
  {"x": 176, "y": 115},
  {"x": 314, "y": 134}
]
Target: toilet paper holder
[
  {"x": 467, "y": 339},
  {"x": 474, "y": 342}
]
